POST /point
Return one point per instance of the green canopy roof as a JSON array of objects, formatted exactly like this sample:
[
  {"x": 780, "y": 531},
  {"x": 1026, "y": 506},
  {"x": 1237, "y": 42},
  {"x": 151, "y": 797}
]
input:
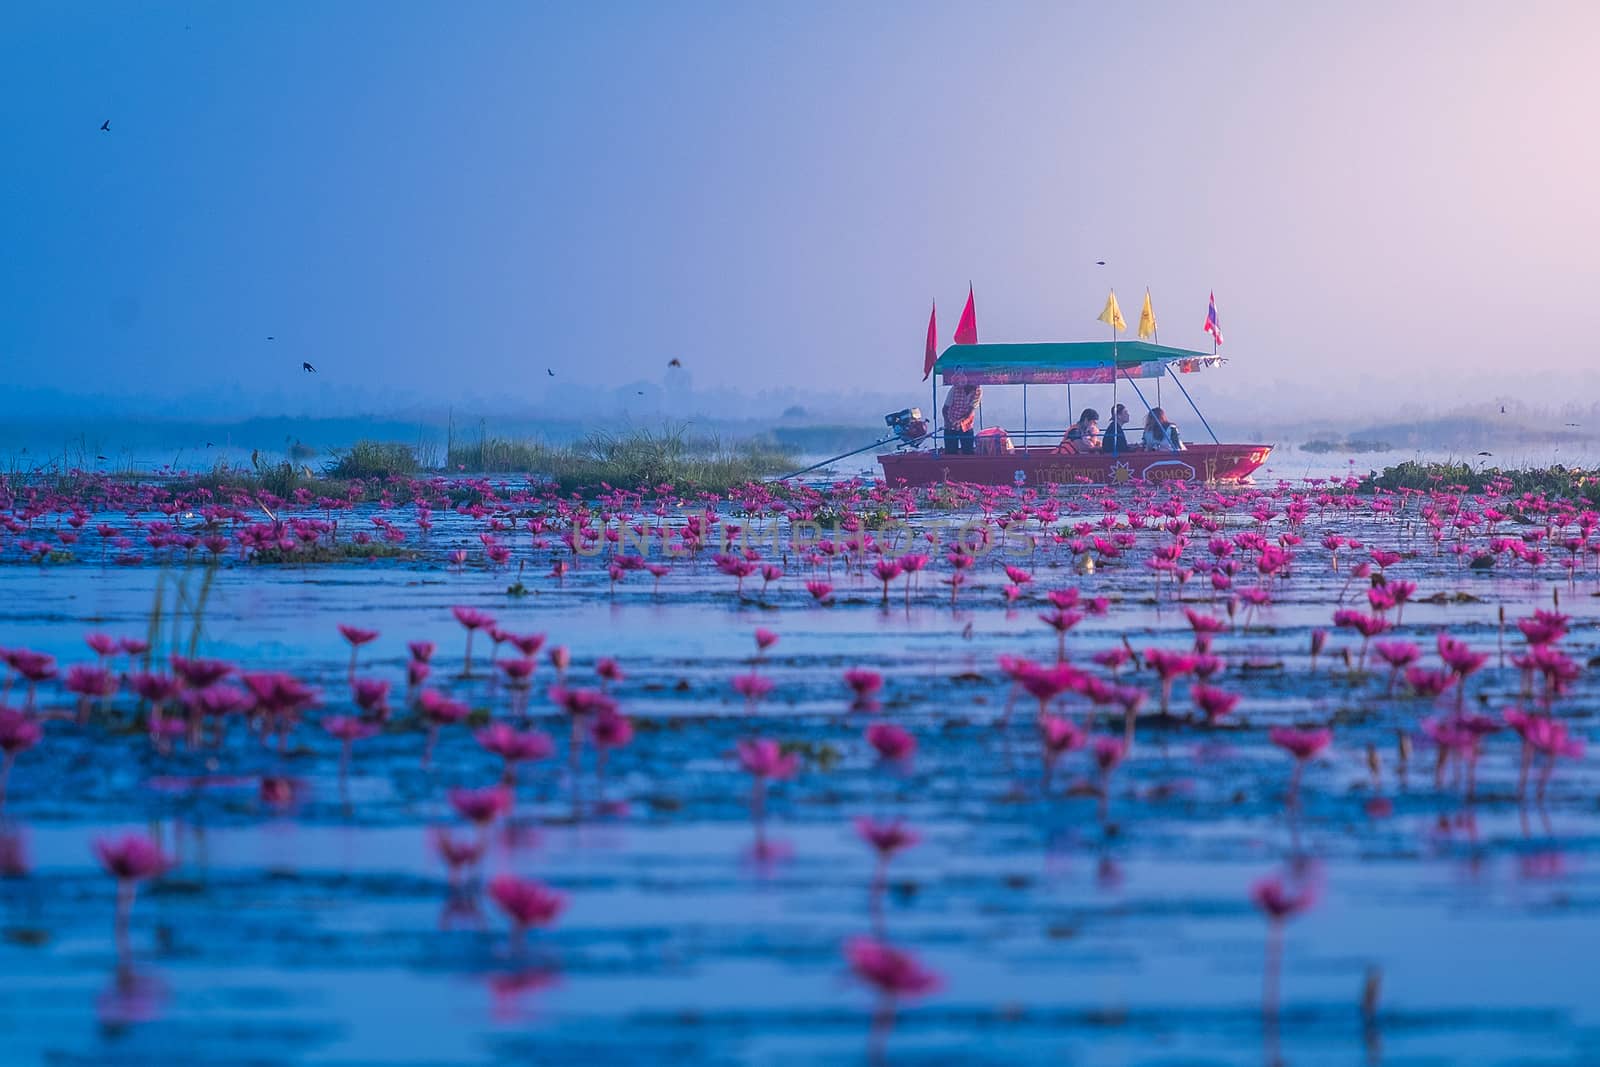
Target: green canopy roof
[{"x": 1069, "y": 362}]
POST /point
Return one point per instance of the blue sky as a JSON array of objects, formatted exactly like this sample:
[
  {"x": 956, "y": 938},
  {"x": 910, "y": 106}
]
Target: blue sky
[{"x": 442, "y": 201}]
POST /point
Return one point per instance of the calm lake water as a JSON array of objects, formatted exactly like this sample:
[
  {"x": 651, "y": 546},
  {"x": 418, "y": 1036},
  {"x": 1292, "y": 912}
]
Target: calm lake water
[{"x": 326, "y": 932}]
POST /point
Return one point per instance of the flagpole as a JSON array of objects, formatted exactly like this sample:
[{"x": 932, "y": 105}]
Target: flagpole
[
  {"x": 1155, "y": 334},
  {"x": 1114, "y": 376}
]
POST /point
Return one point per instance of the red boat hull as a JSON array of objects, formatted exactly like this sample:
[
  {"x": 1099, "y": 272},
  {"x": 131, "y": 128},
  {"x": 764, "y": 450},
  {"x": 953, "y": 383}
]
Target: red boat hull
[{"x": 1046, "y": 466}]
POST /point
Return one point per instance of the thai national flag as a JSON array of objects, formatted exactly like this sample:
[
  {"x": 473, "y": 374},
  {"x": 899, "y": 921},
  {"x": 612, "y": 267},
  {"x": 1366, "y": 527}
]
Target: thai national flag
[{"x": 1213, "y": 327}]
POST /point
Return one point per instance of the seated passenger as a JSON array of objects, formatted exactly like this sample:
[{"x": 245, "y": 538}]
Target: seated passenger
[
  {"x": 1159, "y": 433},
  {"x": 1114, "y": 439},
  {"x": 1083, "y": 435}
]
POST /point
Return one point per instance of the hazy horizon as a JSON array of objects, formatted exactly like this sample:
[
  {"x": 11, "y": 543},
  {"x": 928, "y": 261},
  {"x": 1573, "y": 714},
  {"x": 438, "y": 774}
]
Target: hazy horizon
[{"x": 441, "y": 206}]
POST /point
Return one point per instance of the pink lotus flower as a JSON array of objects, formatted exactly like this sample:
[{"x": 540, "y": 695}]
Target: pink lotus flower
[
  {"x": 886, "y": 571},
  {"x": 1058, "y": 736},
  {"x": 458, "y": 852},
  {"x": 1543, "y": 735},
  {"x": 763, "y": 759},
  {"x": 1277, "y": 902},
  {"x": 1544, "y": 627},
  {"x": 886, "y": 838},
  {"x": 474, "y": 620},
  {"x": 765, "y": 639},
  {"x": 1169, "y": 666},
  {"x": 1427, "y": 683},
  {"x": 103, "y": 644},
  {"x": 1213, "y": 703},
  {"x": 480, "y": 806},
  {"x": 155, "y": 688},
  {"x": 132, "y": 858},
  {"x": 1397, "y": 654},
  {"x": 356, "y": 635},
  {"x": 440, "y": 709},
  {"x": 1301, "y": 744},
  {"x": 862, "y": 682},
  {"x": 1108, "y": 753},
  {"x": 514, "y": 747},
  {"x": 200, "y": 673},
  {"x": 611, "y": 730},
  {"x": 18, "y": 733},
  {"x": 527, "y": 644},
  {"x": 1458, "y": 657},
  {"x": 90, "y": 682},
  {"x": 421, "y": 651},
  {"x": 371, "y": 695},
  {"x": 890, "y": 741},
  {"x": 348, "y": 729},
  {"x": 820, "y": 591},
  {"x": 1204, "y": 624},
  {"x": 1112, "y": 658},
  {"x": 581, "y": 703},
  {"x": 1044, "y": 684},
  {"x": 526, "y": 902},
  {"x": 753, "y": 687},
  {"x": 890, "y": 971}
]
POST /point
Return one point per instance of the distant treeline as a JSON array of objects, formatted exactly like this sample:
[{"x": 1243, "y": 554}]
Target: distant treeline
[{"x": 1465, "y": 432}]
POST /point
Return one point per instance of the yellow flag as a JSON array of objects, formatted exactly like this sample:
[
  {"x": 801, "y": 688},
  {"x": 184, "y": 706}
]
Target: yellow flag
[
  {"x": 1147, "y": 319},
  {"x": 1112, "y": 315}
]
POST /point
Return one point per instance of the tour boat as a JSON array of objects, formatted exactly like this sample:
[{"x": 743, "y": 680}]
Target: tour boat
[{"x": 1037, "y": 459}]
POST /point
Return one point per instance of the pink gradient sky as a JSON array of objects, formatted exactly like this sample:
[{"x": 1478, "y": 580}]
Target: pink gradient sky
[{"x": 1392, "y": 201}]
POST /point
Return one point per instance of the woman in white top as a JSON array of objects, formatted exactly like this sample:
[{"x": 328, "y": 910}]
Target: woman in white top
[{"x": 1160, "y": 434}]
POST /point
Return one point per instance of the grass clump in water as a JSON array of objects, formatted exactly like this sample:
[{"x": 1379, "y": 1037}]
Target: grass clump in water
[
  {"x": 1557, "y": 481},
  {"x": 374, "y": 459},
  {"x": 634, "y": 460}
]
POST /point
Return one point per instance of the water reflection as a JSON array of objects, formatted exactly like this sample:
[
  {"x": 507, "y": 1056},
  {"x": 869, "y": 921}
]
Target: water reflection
[{"x": 132, "y": 996}]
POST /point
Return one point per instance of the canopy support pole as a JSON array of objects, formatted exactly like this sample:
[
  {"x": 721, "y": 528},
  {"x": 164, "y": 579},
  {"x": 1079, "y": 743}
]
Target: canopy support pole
[
  {"x": 1136, "y": 389},
  {"x": 1202, "y": 418},
  {"x": 1024, "y": 415},
  {"x": 1115, "y": 449},
  {"x": 933, "y": 413}
]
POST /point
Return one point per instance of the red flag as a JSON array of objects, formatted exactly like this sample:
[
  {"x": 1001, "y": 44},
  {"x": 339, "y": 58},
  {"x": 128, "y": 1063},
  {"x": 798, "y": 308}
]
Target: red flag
[
  {"x": 967, "y": 328},
  {"x": 932, "y": 351},
  {"x": 1213, "y": 327}
]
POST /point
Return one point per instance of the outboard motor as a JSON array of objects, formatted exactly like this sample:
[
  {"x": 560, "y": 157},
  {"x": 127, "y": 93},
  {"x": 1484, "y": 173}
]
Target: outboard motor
[{"x": 908, "y": 426}]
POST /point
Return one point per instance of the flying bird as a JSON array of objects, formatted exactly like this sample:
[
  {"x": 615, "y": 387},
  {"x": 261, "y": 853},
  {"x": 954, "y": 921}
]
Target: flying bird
[
  {"x": 675, "y": 362},
  {"x": 1502, "y": 409},
  {"x": 1099, "y": 262},
  {"x": 271, "y": 338},
  {"x": 1485, "y": 453},
  {"x": 550, "y": 372},
  {"x": 308, "y": 368},
  {"x": 641, "y": 392},
  {"x": 100, "y": 457},
  {"x": 105, "y": 127},
  {"x": 208, "y": 444}
]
